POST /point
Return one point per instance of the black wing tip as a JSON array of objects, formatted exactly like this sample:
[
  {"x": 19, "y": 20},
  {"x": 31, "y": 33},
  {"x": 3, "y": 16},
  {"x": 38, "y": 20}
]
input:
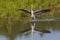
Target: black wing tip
[
  {"x": 22, "y": 9},
  {"x": 25, "y": 10},
  {"x": 47, "y": 9}
]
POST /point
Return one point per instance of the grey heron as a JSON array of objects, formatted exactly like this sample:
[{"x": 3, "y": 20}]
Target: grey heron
[{"x": 33, "y": 13}]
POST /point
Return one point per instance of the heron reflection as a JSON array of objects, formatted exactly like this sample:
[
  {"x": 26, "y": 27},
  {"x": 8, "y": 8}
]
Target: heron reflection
[
  {"x": 43, "y": 30},
  {"x": 34, "y": 28}
]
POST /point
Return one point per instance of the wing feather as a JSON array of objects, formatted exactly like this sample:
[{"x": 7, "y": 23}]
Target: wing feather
[
  {"x": 25, "y": 10},
  {"x": 42, "y": 11}
]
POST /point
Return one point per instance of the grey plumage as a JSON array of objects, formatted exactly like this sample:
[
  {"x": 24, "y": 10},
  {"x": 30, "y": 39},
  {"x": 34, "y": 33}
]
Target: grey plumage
[{"x": 42, "y": 11}]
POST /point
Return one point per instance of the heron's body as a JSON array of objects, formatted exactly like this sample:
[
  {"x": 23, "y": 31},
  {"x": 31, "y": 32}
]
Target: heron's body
[{"x": 32, "y": 14}]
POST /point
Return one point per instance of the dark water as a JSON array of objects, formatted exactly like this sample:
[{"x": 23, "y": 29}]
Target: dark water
[{"x": 52, "y": 27}]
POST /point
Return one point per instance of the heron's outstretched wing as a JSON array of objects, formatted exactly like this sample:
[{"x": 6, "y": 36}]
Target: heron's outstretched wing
[
  {"x": 42, "y": 11},
  {"x": 42, "y": 30},
  {"x": 25, "y": 10}
]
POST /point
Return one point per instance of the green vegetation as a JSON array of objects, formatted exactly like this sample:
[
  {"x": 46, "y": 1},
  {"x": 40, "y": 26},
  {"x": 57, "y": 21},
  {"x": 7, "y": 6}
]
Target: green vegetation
[{"x": 13, "y": 20}]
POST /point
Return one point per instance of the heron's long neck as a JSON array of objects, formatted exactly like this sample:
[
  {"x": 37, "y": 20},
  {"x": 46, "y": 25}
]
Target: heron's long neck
[{"x": 32, "y": 12}]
